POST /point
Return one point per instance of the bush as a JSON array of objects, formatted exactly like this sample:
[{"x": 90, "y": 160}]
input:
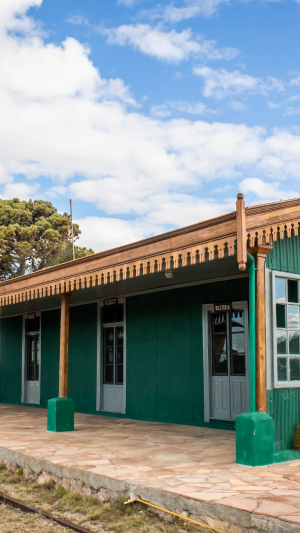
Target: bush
[{"x": 60, "y": 491}]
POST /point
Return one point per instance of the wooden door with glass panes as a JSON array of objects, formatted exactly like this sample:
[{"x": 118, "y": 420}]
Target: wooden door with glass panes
[
  {"x": 287, "y": 331},
  {"x": 32, "y": 363},
  {"x": 229, "y": 390},
  {"x": 113, "y": 359}
]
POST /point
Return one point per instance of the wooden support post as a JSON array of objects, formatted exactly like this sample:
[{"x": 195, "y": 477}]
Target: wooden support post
[
  {"x": 64, "y": 345},
  {"x": 254, "y": 430},
  {"x": 260, "y": 253},
  {"x": 241, "y": 235}
]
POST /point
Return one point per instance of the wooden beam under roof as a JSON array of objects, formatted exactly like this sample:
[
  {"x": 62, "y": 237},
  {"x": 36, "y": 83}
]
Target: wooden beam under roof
[{"x": 205, "y": 241}]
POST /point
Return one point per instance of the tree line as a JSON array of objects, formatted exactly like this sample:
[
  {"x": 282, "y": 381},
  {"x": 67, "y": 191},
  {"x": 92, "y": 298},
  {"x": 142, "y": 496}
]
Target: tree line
[{"x": 33, "y": 236}]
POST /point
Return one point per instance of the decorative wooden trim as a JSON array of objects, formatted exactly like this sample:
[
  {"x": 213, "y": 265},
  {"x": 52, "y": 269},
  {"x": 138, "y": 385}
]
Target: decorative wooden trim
[{"x": 206, "y": 241}]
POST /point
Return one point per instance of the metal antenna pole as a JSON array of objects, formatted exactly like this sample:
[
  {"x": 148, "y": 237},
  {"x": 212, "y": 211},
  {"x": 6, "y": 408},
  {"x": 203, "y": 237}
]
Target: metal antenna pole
[{"x": 73, "y": 247}]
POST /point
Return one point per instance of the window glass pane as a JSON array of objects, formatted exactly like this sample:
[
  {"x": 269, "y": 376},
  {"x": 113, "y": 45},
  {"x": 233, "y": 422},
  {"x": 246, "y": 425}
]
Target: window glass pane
[
  {"x": 108, "y": 355},
  {"x": 281, "y": 368},
  {"x": 280, "y": 316},
  {"x": 237, "y": 343},
  {"x": 108, "y": 314},
  {"x": 119, "y": 355},
  {"x": 109, "y": 375},
  {"x": 120, "y": 374},
  {"x": 220, "y": 360},
  {"x": 30, "y": 357},
  {"x": 294, "y": 369},
  {"x": 293, "y": 316},
  {"x": 280, "y": 289},
  {"x": 33, "y": 324},
  {"x": 294, "y": 344},
  {"x": 37, "y": 358},
  {"x": 119, "y": 313},
  {"x": 293, "y": 290},
  {"x": 120, "y": 336},
  {"x": 112, "y": 313},
  {"x": 281, "y": 342}
]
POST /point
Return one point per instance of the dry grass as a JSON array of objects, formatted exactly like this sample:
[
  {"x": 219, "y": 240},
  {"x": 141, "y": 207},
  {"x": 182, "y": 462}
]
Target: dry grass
[
  {"x": 13, "y": 521},
  {"x": 112, "y": 516}
]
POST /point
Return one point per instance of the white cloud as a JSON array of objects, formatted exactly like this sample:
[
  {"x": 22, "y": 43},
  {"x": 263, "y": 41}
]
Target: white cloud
[
  {"x": 129, "y": 3},
  {"x": 273, "y": 105},
  {"x": 291, "y": 111},
  {"x": 101, "y": 233},
  {"x": 169, "y": 46},
  {"x": 77, "y": 20},
  {"x": 60, "y": 119},
  {"x": 20, "y": 190},
  {"x": 237, "y": 106},
  {"x": 221, "y": 83},
  {"x": 55, "y": 192},
  {"x": 181, "y": 106},
  {"x": 266, "y": 191},
  {"x": 191, "y": 8},
  {"x": 295, "y": 81},
  {"x": 167, "y": 210},
  {"x": 187, "y": 10}
]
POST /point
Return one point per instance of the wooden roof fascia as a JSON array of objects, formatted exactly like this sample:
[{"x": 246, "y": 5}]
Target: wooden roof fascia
[
  {"x": 123, "y": 255},
  {"x": 265, "y": 227},
  {"x": 273, "y": 206},
  {"x": 196, "y": 243},
  {"x": 187, "y": 230}
]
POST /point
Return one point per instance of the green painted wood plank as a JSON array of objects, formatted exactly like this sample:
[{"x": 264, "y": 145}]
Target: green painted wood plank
[{"x": 11, "y": 360}]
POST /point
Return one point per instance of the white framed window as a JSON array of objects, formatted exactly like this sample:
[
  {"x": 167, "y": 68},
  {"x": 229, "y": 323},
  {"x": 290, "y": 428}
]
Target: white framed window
[{"x": 286, "y": 329}]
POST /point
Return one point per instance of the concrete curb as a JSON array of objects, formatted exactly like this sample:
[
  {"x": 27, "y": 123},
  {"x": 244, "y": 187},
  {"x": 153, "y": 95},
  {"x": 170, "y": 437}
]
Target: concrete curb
[{"x": 215, "y": 514}]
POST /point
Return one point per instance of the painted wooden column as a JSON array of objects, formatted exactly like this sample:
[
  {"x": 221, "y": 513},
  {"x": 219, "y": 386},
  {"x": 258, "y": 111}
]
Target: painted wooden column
[
  {"x": 61, "y": 409},
  {"x": 260, "y": 253},
  {"x": 64, "y": 344},
  {"x": 254, "y": 430}
]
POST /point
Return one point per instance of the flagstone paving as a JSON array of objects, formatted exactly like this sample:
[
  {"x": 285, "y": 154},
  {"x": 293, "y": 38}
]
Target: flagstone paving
[{"x": 198, "y": 463}]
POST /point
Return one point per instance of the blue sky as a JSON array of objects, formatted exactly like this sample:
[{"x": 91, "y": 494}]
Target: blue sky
[{"x": 149, "y": 115}]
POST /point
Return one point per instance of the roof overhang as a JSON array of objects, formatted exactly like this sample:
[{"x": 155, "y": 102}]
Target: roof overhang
[{"x": 206, "y": 241}]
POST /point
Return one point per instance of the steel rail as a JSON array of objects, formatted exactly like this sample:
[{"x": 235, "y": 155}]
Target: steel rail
[{"x": 26, "y": 508}]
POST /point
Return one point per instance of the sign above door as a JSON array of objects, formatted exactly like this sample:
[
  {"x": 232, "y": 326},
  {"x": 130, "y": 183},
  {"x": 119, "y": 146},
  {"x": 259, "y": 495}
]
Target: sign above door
[
  {"x": 111, "y": 301},
  {"x": 221, "y": 308}
]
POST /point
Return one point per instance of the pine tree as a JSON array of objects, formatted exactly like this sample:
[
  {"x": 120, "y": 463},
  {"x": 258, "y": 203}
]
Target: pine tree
[{"x": 33, "y": 236}]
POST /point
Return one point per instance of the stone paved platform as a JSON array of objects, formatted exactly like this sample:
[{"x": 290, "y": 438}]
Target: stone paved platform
[{"x": 179, "y": 461}]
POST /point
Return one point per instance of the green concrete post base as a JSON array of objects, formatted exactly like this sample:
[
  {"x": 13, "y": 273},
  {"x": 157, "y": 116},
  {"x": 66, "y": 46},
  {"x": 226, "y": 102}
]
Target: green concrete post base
[
  {"x": 60, "y": 414},
  {"x": 254, "y": 439}
]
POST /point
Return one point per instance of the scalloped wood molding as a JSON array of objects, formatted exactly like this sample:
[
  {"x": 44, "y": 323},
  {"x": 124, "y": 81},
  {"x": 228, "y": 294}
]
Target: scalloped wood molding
[{"x": 206, "y": 241}]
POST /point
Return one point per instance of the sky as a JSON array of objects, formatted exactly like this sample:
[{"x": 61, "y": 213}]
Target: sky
[{"x": 149, "y": 115}]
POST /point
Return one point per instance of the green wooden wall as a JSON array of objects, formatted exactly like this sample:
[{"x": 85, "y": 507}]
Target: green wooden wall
[
  {"x": 11, "y": 359},
  {"x": 164, "y": 350},
  {"x": 50, "y": 332},
  {"x": 285, "y": 255},
  {"x": 284, "y": 404},
  {"x": 284, "y": 408},
  {"x": 83, "y": 357}
]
